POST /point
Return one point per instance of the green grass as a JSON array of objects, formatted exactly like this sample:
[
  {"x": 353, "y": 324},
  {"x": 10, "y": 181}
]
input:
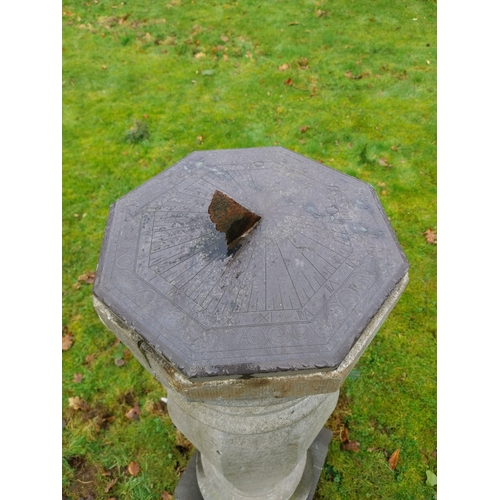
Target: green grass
[{"x": 135, "y": 63}]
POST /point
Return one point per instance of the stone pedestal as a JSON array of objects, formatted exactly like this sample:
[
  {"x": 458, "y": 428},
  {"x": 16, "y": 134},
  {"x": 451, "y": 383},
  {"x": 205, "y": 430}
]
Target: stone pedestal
[
  {"x": 255, "y": 448},
  {"x": 251, "y": 332}
]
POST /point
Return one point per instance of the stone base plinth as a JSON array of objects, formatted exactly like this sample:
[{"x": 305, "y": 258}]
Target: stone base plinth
[{"x": 188, "y": 488}]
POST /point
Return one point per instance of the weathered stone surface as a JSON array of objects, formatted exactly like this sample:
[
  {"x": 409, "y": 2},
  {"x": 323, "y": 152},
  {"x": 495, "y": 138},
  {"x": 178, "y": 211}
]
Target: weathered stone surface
[
  {"x": 289, "y": 385},
  {"x": 188, "y": 488},
  {"x": 294, "y": 297},
  {"x": 254, "y": 449}
]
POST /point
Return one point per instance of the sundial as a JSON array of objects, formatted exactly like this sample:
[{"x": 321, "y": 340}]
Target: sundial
[{"x": 291, "y": 291}]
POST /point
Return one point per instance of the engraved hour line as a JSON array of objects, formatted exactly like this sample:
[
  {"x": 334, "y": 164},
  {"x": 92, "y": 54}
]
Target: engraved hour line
[
  {"x": 164, "y": 248},
  {"x": 329, "y": 249},
  {"x": 183, "y": 179},
  {"x": 319, "y": 272},
  {"x": 288, "y": 272},
  {"x": 194, "y": 276},
  {"x": 195, "y": 262},
  {"x": 252, "y": 179},
  {"x": 176, "y": 254},
  {"x": 226, "y": 188},
  {"x": 243, "y": 275},
  {"x": 172, "y": 228},
  {"x": 227, "y": 290},
  {"x": 187, "y": 257},
  {"x": 234, "y": 179},
  {"x": 218, "y": 280}
]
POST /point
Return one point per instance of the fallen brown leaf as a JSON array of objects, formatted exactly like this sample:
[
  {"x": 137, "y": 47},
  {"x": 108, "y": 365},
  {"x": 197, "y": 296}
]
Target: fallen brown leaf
[
  {"x": 87, "y": 277},
  {"x": 350, "y": 446},
  {"x": 225, "y": 57},
  {"x": 394, "y": 148},
  {"x": 294, "y": 23},
  {"x": 283, "y": 67},
  {"x": 199, "y": 139},
  {"x": 383, "y": 162},
  {"x": 303, "y": 63},
  {"x": 77, "y": 378},
  {"x": 89, "y": 359},
  {"x": 199, "y": 55},
  {"x": 166, "y": 496},
  {"x": 133, "y": 468},
  {"x": 134, "y": 412},
  {"x": 393, "y": 460},
  {"x": 110, "y": 485},
  {"x": 320, "y": 13},
  {"x": 344, "y": 435},
  {"x": 304, "y": 128},
  {"x": 349, "y": 74},
  {"x": 288, "y": 82},
  {"x": 67, "y": 342},
  {"x": 430, "y": 236},
  {"x": 78, "y": 403},
  {"x": 119, "y": 362},
  {"x": 224, "y": 38},
  {"x": 104, "y": 66}
]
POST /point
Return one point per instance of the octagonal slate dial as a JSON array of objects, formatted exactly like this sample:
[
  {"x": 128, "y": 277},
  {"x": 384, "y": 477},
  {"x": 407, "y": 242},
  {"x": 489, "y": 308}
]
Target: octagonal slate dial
[{"x": 295, "y": 293}]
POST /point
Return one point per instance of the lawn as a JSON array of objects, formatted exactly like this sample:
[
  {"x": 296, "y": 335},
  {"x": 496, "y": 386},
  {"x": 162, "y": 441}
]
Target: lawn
[{"x": 351, "y": 84}]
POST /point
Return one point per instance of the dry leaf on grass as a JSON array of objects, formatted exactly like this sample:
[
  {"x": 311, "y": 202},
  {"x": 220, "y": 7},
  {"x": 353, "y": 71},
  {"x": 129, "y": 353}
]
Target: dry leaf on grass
[
  {"x": 283, "y": 67},
  {"x": 303, "y": 63},
  {"x": 304, "y": 128},
  {"x": 288, "y": 82},
  {"x": 294, "y": 23},
  {"x": 133, "y": 413},
  {"x": 349, "y": 74},
  {"x": 78, "y": 403},
  {"x": 347, "y": 444},
  {"x": 430, "y": 236},
  {"x": 119, "y": 362},
  {"x": 383, "y": 162},
  {"x": 87, "y": 277},
  {"x": 133, "y": 468},
  {"x": 67, "y": 342},
  {"x": 199, "y": 55},
  {"x": 393, "y": 460},
  {"x": 77, "y": 378},
  {"x": 166, "y": 496},
  {"x": 350, "y": 446},
  {"x": 224, "y": 38},
  {"x": 344, "y": 434},
  {"x": 89, "y": 359},
  {"x": 110, "y": 485}
]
